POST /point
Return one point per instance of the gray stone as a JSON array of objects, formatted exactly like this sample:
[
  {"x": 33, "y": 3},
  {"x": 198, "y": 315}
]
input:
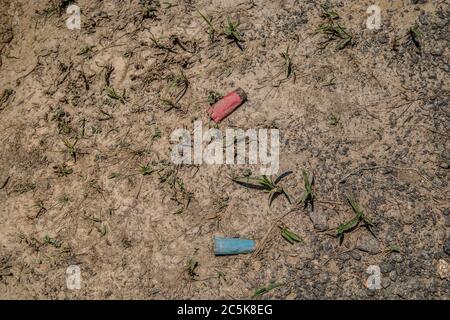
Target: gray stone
[
  {"x": 319, "y": 220},
  {"x": 355, "y": 255},
  {"x": 444, "y": 165},
  {"x": 393, "y": 276},
  {"x": 447, "y": 221},
  {"x": 368, "y": 243},
  {"x": 385, "y": 282},
  {"x": 397, "y": 257},
  {"x": 423, "y": 18},
  {"x": 386, "y": 267},
  {"x": 370, "y": 293},
  {"x": 447, "y": 246},
  {"x": 344, "y": 257}
]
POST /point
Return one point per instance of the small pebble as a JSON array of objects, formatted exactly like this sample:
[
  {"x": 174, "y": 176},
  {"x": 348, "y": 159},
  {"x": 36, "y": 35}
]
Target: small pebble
[{"x": 447, "y": 246}]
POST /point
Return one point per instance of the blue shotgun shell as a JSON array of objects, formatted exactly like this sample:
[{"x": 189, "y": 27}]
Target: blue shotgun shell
[{"x": 225, "y": 246}]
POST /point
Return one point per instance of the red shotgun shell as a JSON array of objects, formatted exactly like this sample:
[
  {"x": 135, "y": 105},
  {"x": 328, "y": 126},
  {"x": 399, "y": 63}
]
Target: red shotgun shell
[{"x": 222, "y": 108}]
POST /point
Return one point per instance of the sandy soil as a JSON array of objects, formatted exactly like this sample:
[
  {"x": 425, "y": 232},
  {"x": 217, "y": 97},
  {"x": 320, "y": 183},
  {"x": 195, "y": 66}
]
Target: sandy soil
[{"x": 85, "y": 174}]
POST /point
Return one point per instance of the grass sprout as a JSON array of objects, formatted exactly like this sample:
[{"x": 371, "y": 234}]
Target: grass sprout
[
  {"x": 261, "y": 291},
  {"x": 54, "y": 242},
  {"x": 309, "y": 195},
  {"x": 266, "y": 184},
  {"x": 112, "y": 93},
  {"x": 232, "y": 32},
  {"x": 211, "y": 30},
  {"x": 289, "y": 235},
  {"x": 70, "y": 149},
  {"x": 415, "y": 36},
  {"x": 191, "y": 268},
  {"x": 359, "y": 217},
  {"x": 334, "y": 31},
  {"x": 329, "y": 14},
  {"x": 146, "y": 169}
]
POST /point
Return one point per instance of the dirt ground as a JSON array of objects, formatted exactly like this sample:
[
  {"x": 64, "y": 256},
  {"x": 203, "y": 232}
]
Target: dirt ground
[{"x": 85, "y": 172}]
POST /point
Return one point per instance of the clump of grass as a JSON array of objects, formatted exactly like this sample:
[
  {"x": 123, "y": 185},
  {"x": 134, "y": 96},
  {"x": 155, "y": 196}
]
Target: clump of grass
[
  {"x": 105, "y": 115},
  {"x": 266, "y": 184},
  {"x": 350, "y": 225},
  {"x": 333, "y": 120},
  {"x": 70, "y": 149},
  {"x": 221, "y": 203},
  {"x": 158, "y": 44},
  {"x": 393, "y": 248},
  {"x": 191, "y": 268},
  {"x": 114, "y": 175},
  {"x": 54, "y": 242},
  {"x": 329, "y": 14},
  {"x": 97, "y": 223},
  {"x": 309, "y": 195},
  {"x": 109, "y": 69},
  {"x": 86, "y": 50},
  {"x": 101, "y": 229},
  {"x": 330, "y": 82},
  {"x": 188, "y": 46},
  {"x": 92, "y": 218},
  {"x": 63, "y": 120},
  {"x": 112, "y": 93},
  {"x": 24, "y": 187},
  {"x": 415, "y": 36},
  {"x": 65, "y": 199},
  {"x": 289, "y": 235},
  {"x": 231, "y": 30},
  {"x": 157, "y": 134},
  {"x": 261, "y": 291},
  {"x": 83, "y": 128},
  {"x": 5, "y": 97},
  {"x": 213, "y": 97},
  {"x": 288, "y": 65},
  {"x": 146, "y": 169},
  {"x": 40, "y": 207},
  {"x": 180, "y": 83},
  {"x": 334, "y": 31},
  {"x": 150, "y": 11},
  {"x": 211, "y": 30},
  {"x": 287, "y": 69},
  {"x": 31, "y": 241},
  {"x": 169, "y": 105},
  {"x": 128, "y": 54},
  {"x": 174, "y": 185},
  {"x": 62, "y": 170},
  {"x": 4, "y": 183},
  {"x": 179, "y": 211},
  {"x": 178, "y": 80},
  {"x": 221, "y": 275},
  {"x": 48, "y": 12},
  {"x": 181, "y": 194}
]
